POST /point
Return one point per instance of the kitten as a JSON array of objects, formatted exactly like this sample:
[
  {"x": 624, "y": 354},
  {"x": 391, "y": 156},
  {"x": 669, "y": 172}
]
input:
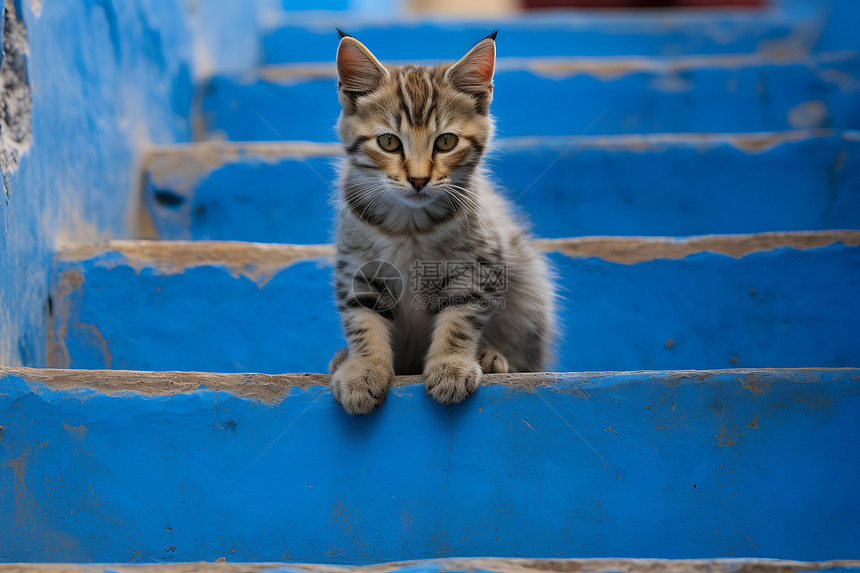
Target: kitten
[{"x": 433, "y": 274}]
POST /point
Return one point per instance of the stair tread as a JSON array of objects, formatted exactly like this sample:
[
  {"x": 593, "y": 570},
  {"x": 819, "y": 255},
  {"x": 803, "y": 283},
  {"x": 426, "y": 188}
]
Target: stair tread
[
  {"x": 670, "y": 465},
  {"x": 807, "y": 93},
  {"x": 272, "y": 388},
  {"x": 575, "y": 33},
  {"x": 564, "y": 66},
  {"x": 645, "y": 302},
  {"x": 655, "y": 184},
  {"x": 484, "y": 564},
  {"x": 174, "y": 256}
]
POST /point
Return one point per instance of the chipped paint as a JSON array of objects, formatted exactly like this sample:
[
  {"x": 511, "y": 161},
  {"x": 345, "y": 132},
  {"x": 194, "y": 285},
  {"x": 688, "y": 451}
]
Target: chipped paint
[
  {"x": 633, "y": 250},
  {"x": 613, "y": 68},
  {"x": 183, "y": 165},
  {"x": 78, "y": 432},
  {"x": 58, "y": 318},
  {"x": 808, "y": 114},
  {"x": 261, "y": 261},
  {"x": 22, "y": 496},
  {"x": 610, "y": 67},
  {"x": 753, "y": 384},
  {"x": 256, "y": 261},
  {"x": 459, "y": 564},
  {"x": 272, "y": 389},
  {"x": 188, "y": 162},
  {"x": 265, "y": 388}
]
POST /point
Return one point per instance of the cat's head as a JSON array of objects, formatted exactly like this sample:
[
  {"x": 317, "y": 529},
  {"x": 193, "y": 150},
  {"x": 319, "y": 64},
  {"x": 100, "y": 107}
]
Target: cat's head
[{"x": 413, "y": 133}]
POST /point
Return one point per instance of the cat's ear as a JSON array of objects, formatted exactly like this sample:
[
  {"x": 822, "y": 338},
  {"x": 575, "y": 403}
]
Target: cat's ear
[
  {"x": 358, "y": 71},
  {"x": 473, "y": 73}
]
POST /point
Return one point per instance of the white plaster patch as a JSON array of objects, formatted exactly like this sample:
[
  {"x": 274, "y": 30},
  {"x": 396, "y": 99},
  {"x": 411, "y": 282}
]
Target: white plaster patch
[
  {"x": 36, "y": 8},
  {"x": 16, "y": 132},
  {"x": 808, "y": 115}
]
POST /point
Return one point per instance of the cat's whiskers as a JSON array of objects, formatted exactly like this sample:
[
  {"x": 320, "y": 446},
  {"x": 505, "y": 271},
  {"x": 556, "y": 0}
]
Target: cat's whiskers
[
  {"x": 380, "y": 194},
  {"x": 471, "y": 208},
  {"x": 362, "y": 192},
  {"x": 455, "y": 204},
  {"x": 359, "y": 192},
  {"x": 469, "y": 193},
  {"x": 468, "y": 200}
]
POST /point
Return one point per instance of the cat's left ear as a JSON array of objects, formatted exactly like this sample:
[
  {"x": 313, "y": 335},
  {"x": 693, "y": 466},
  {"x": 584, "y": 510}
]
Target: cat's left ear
[
  {"x": 473, "y": 73},
  {"x": 358, "y": 71}
]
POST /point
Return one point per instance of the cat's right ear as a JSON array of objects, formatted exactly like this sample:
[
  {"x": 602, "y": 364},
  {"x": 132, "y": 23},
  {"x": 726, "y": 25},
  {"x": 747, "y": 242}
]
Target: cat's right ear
[
  {"x": 358, "y": 71},
  {"x": 473, "y": 73}
]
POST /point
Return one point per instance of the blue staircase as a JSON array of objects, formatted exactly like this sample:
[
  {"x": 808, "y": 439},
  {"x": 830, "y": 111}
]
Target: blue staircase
[{"x": 695, "y": 179}]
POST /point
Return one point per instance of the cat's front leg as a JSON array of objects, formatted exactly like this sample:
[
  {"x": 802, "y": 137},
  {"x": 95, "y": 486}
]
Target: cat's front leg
[
  {"x": 452, "y": 371},
  {"x": 360, "y": 380}
]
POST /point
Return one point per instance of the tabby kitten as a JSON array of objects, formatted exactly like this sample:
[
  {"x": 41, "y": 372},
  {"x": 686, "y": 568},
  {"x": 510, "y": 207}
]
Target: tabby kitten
[{"x": 433, "y": 274}]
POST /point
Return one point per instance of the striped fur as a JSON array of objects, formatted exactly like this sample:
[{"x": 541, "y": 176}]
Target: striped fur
[{"x": 448, "y": 241}]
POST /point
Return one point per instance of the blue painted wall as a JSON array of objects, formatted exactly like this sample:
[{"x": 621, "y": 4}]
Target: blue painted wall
[
  {"x": 107, "y": 78},
  {"x": 668, "y": 465},
  {"x": 780, "y": 308}
]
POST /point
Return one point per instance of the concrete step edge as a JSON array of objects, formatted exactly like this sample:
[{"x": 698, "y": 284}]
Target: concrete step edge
[
  {"x": 490, "y": 564},
  {"x": 192, "y": 160},
  {"x": 606, "y": 67},
  {"x": 273, "y": 388},
  {"x": 265, "y": 259}
]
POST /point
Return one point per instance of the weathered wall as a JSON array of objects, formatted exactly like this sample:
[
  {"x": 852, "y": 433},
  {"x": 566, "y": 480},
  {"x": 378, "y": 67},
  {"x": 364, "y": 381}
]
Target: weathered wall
[{"x": 107, "y": 78}]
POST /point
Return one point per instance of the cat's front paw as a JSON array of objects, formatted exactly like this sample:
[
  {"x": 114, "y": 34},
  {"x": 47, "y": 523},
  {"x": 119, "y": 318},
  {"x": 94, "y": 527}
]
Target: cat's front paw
[
  {"x": 339, "y": 358},
  {"x": 451, "y": 380},
  {"x": 492, "y": 361},
  {"x": 360, "y": 385}
]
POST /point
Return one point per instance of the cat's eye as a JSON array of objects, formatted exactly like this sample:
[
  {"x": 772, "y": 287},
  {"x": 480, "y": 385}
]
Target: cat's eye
[
  {"x": 389, "y": 142},
  {"x": 446, "y": 142}
]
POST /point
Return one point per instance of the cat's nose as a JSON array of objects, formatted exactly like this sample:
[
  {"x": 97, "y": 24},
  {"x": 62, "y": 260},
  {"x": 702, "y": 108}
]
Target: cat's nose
[{"x": 418, "y": 183}]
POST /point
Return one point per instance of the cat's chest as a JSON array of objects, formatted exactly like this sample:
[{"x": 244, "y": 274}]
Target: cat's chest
[{"x": 424, "y": 268}]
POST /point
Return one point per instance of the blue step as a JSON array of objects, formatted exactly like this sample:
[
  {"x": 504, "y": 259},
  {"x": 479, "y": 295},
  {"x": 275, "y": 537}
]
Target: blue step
[
  {"x": 499, "y": 565},
  {"x": 594, "y": 98},
  {"x": 676, "y": 185},
  {"x": 793, "y": 31},
  {"x": 789, "y": 300},
  {"x": 130, "y": 467}
]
